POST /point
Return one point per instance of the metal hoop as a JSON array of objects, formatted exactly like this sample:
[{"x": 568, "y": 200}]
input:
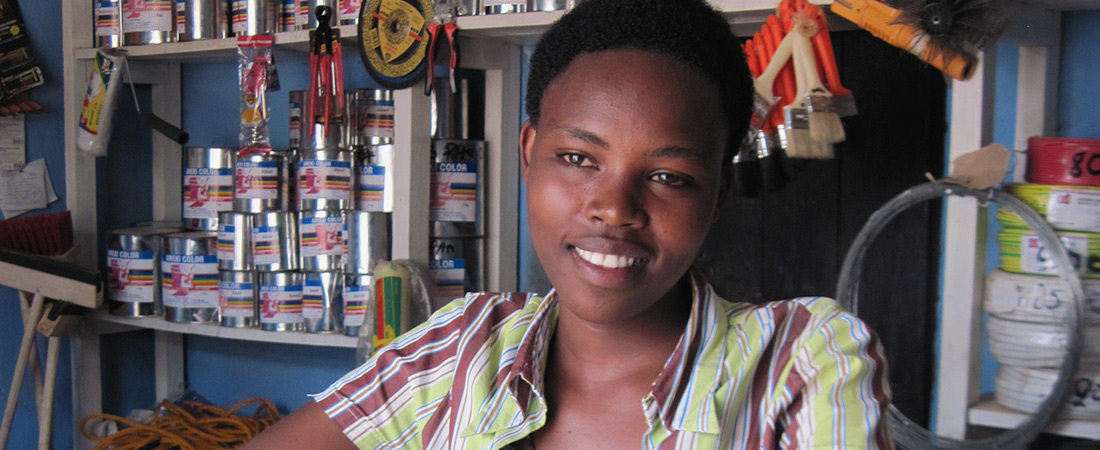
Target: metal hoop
[{"x": 907, "y": 433}]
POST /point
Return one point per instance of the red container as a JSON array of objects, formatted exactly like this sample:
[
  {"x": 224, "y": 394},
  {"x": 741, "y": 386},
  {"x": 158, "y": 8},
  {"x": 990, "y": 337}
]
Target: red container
[{"x": 1063, "y": 161}]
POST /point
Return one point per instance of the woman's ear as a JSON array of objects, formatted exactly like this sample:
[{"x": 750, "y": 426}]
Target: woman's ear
[{"x": 526, "y": 145}]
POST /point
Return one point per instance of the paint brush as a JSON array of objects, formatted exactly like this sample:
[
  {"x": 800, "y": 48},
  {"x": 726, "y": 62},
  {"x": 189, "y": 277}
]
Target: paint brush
[
  {"x": 764, "y": 99},
  {"x": 843, "y": 101},
  {"x": 824, "y": 123}
]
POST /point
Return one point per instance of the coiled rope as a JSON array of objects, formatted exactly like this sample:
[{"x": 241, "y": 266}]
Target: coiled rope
[{"x": 188, "y": 426}]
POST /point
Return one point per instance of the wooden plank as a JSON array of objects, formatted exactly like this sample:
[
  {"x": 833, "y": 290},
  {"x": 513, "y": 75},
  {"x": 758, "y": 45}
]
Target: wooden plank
[
  {"x": 51, "y": 286},
  {"x": 167, "y": 163},
  {"x": 502, "y": 100},
  {"x": 412, "y": 142},
  {"x": 105, "y": 323}
]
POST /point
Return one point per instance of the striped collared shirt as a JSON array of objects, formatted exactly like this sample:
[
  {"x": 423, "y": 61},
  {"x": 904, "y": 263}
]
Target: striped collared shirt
[{"x": 791, "y": 374}]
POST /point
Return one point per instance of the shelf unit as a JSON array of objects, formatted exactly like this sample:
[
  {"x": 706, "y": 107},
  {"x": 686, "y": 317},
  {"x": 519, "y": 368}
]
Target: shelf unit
[{"x": 1036, "y": 28}]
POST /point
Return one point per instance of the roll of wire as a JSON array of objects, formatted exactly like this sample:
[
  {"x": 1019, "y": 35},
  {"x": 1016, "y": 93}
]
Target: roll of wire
[
  {"x": 909, "y": 434},
  {"x": 1023, "y": 388},
  {"x": 1026, "y": 344},
  {"x": 1075, "y": 207},
  {"x": 1037, "y": 299},
  {"x": 1065, "y": 161},
  {"x": 1022, "y": 252}
]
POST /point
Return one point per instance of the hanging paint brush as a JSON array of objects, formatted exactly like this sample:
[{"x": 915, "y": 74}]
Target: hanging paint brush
[
  {"x": 825, "y": 125},
  {"x": 764, "y": 99},
  {"x": 843, "y": 101}
]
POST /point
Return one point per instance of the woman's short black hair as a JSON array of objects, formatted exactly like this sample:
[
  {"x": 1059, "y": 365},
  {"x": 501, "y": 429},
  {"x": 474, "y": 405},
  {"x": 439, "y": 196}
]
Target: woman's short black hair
[{"x": 689, "y": 30}]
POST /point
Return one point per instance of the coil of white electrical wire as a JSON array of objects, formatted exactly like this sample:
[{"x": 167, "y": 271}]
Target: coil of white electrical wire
[
  {"x": 1034, "y": 298},
  {"x": 1024, "y": 388},
  {"x": 1026, "y": 344},
  {"x": 908, "y": 434}
]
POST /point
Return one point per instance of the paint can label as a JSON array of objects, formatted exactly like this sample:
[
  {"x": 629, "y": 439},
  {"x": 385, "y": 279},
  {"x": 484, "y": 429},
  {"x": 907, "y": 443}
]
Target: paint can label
[
  {"x": 1074, "y": 210},
  {"x": 142, "y": 16},
  {"x": 287, "y": 15},
  {"x": 349, "y": 9},
  {"x": 226, "y": 242},
  {"x": 106, "y": 18},
  {"x": 181, "y": 16},
  {"x": 206, "y": 192},
  {"x": 372, "y": 187},
  {"x": 266, "y": 248},
  {"x": 235, "y": 299},
  {"x": 377, "y": 120},
  {"x": 239, "y": 15},
  {"x": 454, "y": 192},
  {"x": 257, "y": 180},
  {"x": 313, "y": 300},
  {"x": 302, "y": 17},
  {"x": 130, "y": 277},
  {"x": 324, "y": 179},
  {"x": 295, "y": 113},
  {"x": 280, "y": 304},
  {"x": 356, "y": 299},
  {"x": 322, "y": 236},
  {"x": 449, "y": 276},
  {"x": 189, "y": 281}
]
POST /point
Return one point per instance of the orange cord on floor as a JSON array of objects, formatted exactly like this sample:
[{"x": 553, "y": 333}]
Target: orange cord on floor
[{"x": 191, "y": 426}]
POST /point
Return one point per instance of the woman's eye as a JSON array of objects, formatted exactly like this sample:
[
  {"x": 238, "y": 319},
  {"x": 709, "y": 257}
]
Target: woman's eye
[
  {"x": 669, "y": 179},
  {"x": 576, "y": 159}
]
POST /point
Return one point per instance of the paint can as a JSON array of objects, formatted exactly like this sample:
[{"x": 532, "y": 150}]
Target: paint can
[
  {"x": 108, "y": 25},
  {"x": 374, "y": 117},
  {"x": 235, "y": 241},
  {"x": 322, "y": 301},
  {"x": 374, "y": 178},
  {"x": 207, "y": 186},
  {"x": 148, "y": 22},
  {"x": 350, "y": 136},
  {"x": 201, "y": 19},
  {"x": 297, "y": 101},
  {"x": 458, "y": 185},
  {"x": 358, "y": 302},
  {"x": 468, "y": 8},
  {"x": 288, "y": 12},
  {"x": 275, "y": 241},
  {"x": 321, "y": 240},
  {"x": 252, "y": 17},
  {"x": 281, "y": 301},
  {"x": 189, "y": 276},
  {"x": 552, "y": 5},
  {"x": 349, "y": 11},
  {"x": 457, "y": 266},
  {"x": 368, "y": 240},
  {"x": 262, "y": 182},
  {"x": 319, "y": 140},
  {"x": 133, "y": 271},
  {"x": 324, "y": 179},
  {"x": 503, "y": 6},
  {"x": 237, "y": 299}
]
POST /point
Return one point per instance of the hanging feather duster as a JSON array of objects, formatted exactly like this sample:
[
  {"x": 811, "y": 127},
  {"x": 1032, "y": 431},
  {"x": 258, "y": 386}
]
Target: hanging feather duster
[{"x": 949, "y": 34}]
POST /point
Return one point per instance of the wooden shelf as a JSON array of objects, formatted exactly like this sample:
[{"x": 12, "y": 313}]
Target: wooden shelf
[
  {"x": 989, "y": 413},
  {"x": 218, "y": 49},
  {"x": 106, "y": 324}
]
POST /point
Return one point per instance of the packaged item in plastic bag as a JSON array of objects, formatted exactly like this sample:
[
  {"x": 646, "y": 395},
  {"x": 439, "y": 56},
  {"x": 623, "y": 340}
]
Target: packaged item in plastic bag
[
  {"x": 402, "y": 300},
  {"x": 254, "y": 67},
  {"x": 97, "y": 114}
]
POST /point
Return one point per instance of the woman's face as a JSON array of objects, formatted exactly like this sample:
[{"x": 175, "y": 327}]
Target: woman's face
[{"x": 623, "y": 179}]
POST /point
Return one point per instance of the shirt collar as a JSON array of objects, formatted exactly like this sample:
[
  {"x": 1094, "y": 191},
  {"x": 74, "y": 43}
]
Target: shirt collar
[{"x": 681, "y": 398}]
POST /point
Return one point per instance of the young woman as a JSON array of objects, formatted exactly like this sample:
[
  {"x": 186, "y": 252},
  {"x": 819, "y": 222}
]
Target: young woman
[{"x": 636, "y": 107}]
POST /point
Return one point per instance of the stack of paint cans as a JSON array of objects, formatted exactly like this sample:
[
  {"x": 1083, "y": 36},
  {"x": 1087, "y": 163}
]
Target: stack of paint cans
[
  {"x": 141, "y": 22},
  {"x": 1027, "y": 305},
  {"x": 134, "y": 270},
  {"x": 457, "y": 214}
]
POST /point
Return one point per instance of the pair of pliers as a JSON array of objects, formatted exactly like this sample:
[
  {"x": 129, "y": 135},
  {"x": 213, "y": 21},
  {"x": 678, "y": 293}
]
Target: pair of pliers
[
  {"x": 326, "y": 72},
  {"x": 442, "y": 25}
]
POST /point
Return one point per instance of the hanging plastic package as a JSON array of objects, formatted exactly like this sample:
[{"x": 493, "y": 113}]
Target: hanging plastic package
[
  {"x": 254, "y": 61},
  {"x": 96, "y": 116}
]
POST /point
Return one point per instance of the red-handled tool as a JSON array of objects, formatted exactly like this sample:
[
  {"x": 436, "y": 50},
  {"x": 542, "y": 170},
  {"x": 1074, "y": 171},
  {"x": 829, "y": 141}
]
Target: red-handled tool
[{"x": 326, "y": 74}]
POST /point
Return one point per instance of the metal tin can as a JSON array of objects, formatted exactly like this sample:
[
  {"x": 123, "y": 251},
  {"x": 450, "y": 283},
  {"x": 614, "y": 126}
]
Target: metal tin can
[
  {"x": 287, "y": 14},
  {"x": 235, "y": 241},
  {"x": 133, "y": 265},
  {"x": 458, "y": 185},
  {"x": 321, "y": 240},
  {"x": 238, "y": 303},
  {"x": 323, "y": 301},
  {"x": 358, "y": 304},
  {"x": 350, "y": 136},
  {"x": 207, "y": 186},
  {"x": 148, "y": 22},
  {"x": 252, "y": 17},
  {"x": 368, "y": 240},
  {"x": 457, "y": 266},
  {"x": 552, "y": 5},
  {"x": 262, "y": 182},
  {"x": 275, "y": 241},
  {"x": 108, "y": 26},
  {"x": 189, "y": 276},
  {"x": 503, "y": 6},
  {"x": 374, "y": 174},
  {"x": 319, "y": 140},
  {"x": 324, "y": 179},
  {"x": 201, "y": 19},
  {"x": 281, "y": 301},
  {"x": 374, "y": 117},
  {"x": 297, "y": 101},
  {"x": 349, "y": 11}
]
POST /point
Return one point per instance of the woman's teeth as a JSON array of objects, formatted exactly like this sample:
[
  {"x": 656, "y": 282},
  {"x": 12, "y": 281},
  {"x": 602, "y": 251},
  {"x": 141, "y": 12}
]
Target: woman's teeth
[{"x": 605, "y": 260}]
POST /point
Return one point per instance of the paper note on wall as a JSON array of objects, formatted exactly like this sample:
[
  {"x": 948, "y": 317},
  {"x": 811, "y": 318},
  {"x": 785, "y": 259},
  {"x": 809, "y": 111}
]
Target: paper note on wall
[
  {"x": 25, "y": 190},
  {"x": 13, "y": 142}
]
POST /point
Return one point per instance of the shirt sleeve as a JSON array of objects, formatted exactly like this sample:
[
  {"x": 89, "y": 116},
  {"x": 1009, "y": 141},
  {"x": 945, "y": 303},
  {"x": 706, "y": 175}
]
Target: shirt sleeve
[
  {"x": 841, "y": 387},
  {"x": 381, "y": 403}
]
